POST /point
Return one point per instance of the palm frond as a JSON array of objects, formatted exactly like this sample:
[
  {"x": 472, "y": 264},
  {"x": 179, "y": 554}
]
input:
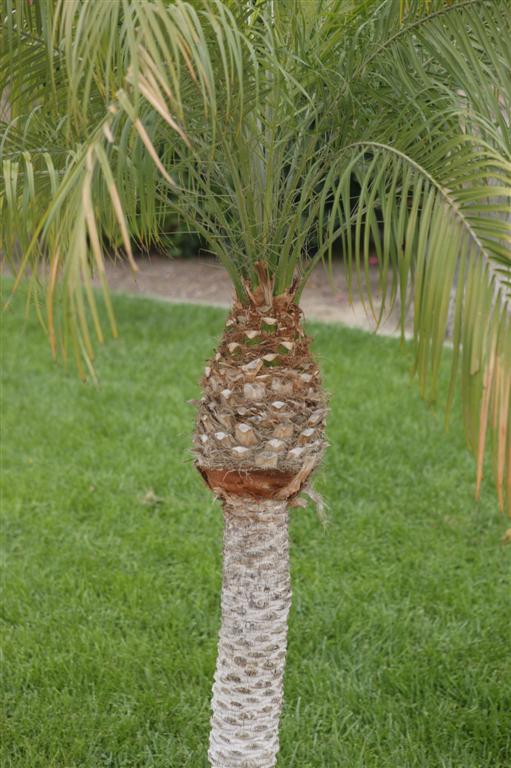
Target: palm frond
[
  {"x": 439, "y": 242},
  {"x": 456, "y": 54},
  {"x": 435, "y": 198},
  {"x": 81, "y": 198}
]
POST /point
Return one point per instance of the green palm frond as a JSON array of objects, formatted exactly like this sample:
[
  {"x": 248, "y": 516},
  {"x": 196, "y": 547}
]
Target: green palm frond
[
  {"x": 436, "y": 198},
  {"x": 254, "y": 123},
  {"x": 457, "y": 54},
  {"x": 444, "y": 247},
  {"x": 102, "y": 182}
]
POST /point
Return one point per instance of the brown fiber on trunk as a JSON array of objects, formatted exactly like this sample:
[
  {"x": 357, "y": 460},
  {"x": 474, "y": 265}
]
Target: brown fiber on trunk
[
  {"x": 262, "y": 483},
  {"x": 263, "y": 407}
]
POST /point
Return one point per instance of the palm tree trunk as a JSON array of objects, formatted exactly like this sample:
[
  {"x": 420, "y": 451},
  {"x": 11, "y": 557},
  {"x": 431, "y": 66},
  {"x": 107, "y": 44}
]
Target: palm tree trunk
[
  {"x": 259, "y": 436},
  {"x": 256, "y": 596}
]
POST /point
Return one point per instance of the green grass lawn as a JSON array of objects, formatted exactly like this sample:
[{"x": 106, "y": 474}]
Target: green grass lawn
[{"x": 399, "y": 634}]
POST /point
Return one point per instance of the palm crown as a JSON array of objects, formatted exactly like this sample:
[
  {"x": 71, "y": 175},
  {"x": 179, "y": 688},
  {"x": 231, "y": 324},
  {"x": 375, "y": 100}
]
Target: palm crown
[{"x": 255, "y": 122}]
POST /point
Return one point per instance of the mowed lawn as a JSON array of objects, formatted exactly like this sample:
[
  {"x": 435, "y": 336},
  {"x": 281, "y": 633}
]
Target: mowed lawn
[{"x": 399, "y": 644}]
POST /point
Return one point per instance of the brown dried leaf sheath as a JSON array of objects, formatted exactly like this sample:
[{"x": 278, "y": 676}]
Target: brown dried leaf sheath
[{"x": 260, "y": 422}]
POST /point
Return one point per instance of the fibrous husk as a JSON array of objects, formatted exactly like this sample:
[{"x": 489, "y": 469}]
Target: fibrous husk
[{"x": 260, "y": 422}]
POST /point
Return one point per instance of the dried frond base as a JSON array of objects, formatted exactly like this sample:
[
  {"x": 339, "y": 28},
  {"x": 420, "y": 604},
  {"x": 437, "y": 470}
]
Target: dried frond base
[{"x": 260, "y": 422}]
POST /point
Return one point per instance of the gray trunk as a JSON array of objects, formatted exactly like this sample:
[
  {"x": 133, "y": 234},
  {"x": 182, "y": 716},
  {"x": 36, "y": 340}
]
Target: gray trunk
[{"x": 256, "y": 596}]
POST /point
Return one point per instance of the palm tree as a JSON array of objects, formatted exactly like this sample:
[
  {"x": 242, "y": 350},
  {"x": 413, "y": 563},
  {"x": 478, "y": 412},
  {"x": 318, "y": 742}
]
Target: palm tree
[{"x": 276, "y": 130}]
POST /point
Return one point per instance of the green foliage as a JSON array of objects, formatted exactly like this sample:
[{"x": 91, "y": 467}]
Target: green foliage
[
  {"x": 398, "y": 646},
  {"x": 249, "y": 122}
]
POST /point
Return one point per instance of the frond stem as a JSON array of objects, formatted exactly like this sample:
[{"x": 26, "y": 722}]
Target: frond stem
[
  {"x": 492, "y": 271},
  {"x": 405, "y": 29}
]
